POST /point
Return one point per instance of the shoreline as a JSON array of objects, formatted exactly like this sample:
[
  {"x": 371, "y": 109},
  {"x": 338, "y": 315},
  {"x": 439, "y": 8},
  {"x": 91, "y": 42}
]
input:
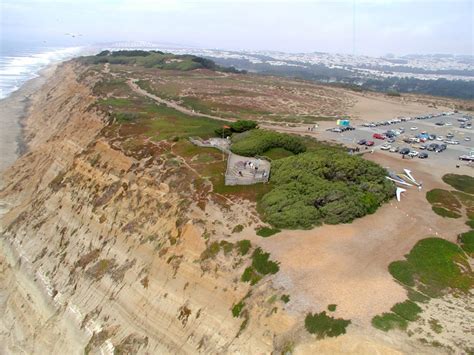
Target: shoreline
[{"x": 14, "y": 109}]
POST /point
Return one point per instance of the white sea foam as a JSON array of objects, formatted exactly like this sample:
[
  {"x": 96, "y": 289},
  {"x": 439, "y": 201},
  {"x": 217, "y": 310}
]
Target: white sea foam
[{"x": 15, "y": 70}]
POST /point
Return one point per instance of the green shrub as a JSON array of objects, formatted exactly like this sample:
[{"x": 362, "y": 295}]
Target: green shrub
[
  {"x": 407, "y": 310},
  {"x": 388, "y": 321},
  {"x": 285, "y": 298},
  {"x": 237, "y": 309},
  {"x": 244, "y": 246},
  {"x": 226, "y": 246},
  {"x": 238, "y": 228},
  {"x": 262, "y": 264},
  {"x": 467, "y": 241},
  {"x": 250, "y": 275},
  {"x": 211, "y": 251},
  {"x": 332, "y": 307},
  {"x": 267, "y": 232},
  {"x": 257, "y": 142},
  {"x": 236, "y": 127},
  {"x": 323, "y": 325}
]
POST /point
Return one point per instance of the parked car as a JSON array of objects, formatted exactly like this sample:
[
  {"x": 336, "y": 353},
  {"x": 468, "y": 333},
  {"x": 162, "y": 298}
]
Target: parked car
[
  {"x": 391, "y": 140},
  {"x": 439, "y": 123},
  {"x": 394, "y": 149},
  {"x": 450, "y": 141},
  {"x": 432, "y": 147},
  {"x": 385, "y": 146},
  {"x": 413, "y": 153},
  {"x": 423, "y": 155},
  {"x": 362, "y": 142},
  {"x": 404, "y": 151},
  {"x": 369, "y": 143},
  {"x": 467, "y": 139},
  {"x": 414, "y": 128},
  {"x": 450, "y": 135},
  {"x": 441, "y": 148},
  {"x": 378, "y": 136},
  {"x": 439, "y": 138}
]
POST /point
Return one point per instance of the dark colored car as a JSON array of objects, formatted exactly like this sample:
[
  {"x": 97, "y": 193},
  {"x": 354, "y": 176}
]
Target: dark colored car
[
  {"x": 404, "y": 151},
  {"x": 423, "y": 155},
  {"x": 432, "y": 147},
  {"x": 362, "y": 142},
  {"x": 369, "y": 143},
  {"x": 441, "y": 147}
]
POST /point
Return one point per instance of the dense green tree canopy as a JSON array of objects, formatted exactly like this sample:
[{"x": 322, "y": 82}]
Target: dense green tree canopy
[
  {"x": 325, "y": 185},
  {"x": 257, "y": 142}
]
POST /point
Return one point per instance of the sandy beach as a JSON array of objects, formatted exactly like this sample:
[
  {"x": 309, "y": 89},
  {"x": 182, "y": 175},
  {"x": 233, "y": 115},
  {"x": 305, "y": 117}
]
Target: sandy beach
[{"x": 13, "y": 109}]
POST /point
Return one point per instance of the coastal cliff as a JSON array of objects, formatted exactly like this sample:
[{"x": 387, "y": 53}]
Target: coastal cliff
[{"x": 107, "y": 250}]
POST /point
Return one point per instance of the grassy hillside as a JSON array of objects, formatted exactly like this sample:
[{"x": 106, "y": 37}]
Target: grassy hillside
[{"x": 155, "y": 59}]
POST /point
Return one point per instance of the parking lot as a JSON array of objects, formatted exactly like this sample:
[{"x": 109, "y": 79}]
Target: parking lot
[{"x": 412, "y": 128}]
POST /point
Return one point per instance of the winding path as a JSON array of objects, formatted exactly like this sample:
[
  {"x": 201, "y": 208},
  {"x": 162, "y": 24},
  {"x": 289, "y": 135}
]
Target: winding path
[{"x": 132, "y": 83}]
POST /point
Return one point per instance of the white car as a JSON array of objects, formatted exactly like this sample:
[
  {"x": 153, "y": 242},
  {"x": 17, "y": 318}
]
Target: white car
[
  {"x": 385, "y": 146},
  {"x": 451, "y": 142},
  {"x": 413, "y": 128},
  {"x": 448, "y": 124},
  {"x": 439, "y": 138},
  {"x": 467, "y": 139},
  {"x": 413, "y": 153}
]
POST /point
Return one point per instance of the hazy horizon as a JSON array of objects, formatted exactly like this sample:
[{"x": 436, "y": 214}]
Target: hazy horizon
[{"x": 361, "y": 27}]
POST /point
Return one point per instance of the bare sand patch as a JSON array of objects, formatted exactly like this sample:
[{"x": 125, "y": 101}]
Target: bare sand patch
[
  {"x": 347, "y": 264},
  {"x": 373, "y": 107}
]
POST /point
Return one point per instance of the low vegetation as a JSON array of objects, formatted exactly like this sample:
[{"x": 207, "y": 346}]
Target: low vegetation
[
  {"x": 267, "y": 232},
  {"x": 285, "y": 298},
  {"x": 261, "y": 266},
  {"x": 238, "y": 228},
  {"x": 155, "y": 59},
  {"x": 388, "y": 321},
  {"x": 244, "y": 246},
  {"x": 408, "y": 310},
  {"x": 235, "y": 127},
  {"x": 401, "y": 314},
  {"x": 433, "y": 266},
  {"x": 323, "y": 325},
  {"x": 324, "y": 185},
  {"x": 467, "y": 242},
  {"x": 463, "y": 183},
  {"x": 257, "y": 142},
  {"x": 444, "y": 203},
  {"x": 237, "y": 309}
]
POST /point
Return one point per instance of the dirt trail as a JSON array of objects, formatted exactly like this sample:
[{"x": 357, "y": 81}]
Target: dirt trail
[{"x": 132, "y": 83}]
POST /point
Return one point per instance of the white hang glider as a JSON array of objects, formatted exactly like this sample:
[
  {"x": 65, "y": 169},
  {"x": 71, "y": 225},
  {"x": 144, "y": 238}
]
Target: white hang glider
[{"x": 399, "y": 193}]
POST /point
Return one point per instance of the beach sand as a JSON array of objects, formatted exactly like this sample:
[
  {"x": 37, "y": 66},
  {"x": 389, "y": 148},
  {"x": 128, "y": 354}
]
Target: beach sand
[{"x": 12, "y": 111}]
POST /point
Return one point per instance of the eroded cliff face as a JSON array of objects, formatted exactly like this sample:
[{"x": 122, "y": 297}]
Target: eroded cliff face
[{"x": 106, "y": 250}]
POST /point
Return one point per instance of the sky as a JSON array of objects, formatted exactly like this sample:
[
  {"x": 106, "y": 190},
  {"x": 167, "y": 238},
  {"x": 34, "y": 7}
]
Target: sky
[{"x": 363, "y": 27}]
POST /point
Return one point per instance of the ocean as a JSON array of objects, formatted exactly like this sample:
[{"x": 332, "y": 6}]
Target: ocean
[{"x": 20, "y": 63}]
